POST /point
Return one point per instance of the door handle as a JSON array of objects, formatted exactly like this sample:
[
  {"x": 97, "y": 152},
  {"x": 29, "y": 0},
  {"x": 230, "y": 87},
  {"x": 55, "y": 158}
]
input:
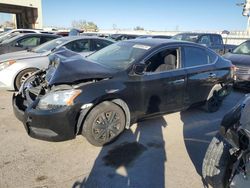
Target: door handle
[
  {"x": 212, "y": 75},
  {"x": 178, "y": 81}
]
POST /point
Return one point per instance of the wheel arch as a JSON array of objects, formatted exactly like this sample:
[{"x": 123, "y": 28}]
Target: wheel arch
[
  {"x": 23, "y": 69},
  {"x": 216, "y": 87},
  {"x": 85, "y": 111}
]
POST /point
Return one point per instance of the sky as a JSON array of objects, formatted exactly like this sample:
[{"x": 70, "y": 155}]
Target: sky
[{"x": 159, "y": 15}]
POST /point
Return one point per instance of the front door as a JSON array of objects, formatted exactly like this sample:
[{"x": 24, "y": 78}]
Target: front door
[{"x": 163, "y": 84}]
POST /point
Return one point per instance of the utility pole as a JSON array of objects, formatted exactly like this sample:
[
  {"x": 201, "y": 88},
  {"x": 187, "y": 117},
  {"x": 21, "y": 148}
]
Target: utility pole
[{"x": 246, "y": 11}]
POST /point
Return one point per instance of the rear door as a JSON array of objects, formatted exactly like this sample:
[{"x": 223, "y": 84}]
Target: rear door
[{"x": 199, "y": 64}]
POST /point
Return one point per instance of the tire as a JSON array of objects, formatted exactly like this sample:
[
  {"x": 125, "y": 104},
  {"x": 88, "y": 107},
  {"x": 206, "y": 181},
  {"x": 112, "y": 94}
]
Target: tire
[
  {"x": 22, "y": 76},
  {"x": 216, "y": 164},
  {"x": 104, "y": 123}
]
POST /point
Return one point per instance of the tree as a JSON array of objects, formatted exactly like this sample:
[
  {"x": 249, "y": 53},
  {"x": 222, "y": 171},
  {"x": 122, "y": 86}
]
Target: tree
[
  {"x": 86, "y": 26},
  {"x": 138, "y": 28}
]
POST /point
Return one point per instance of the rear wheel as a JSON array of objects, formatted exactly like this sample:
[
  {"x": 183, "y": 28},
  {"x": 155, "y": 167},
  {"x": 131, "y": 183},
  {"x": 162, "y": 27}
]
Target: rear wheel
[
  {"x": 213, "y": 103},
  {"x": 22, "y": 76},
  {"x": 104, "y": 123},
  {"x": 216, "y": 164}
]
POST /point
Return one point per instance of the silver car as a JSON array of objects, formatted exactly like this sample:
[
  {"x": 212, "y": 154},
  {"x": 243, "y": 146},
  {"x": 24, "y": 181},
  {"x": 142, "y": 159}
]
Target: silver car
[{"x": 17, "y": 66}]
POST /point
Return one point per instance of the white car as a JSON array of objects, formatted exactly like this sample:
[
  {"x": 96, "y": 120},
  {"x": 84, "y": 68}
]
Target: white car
[
  {"x": 13, "y": 32},
  {"x": 18, "y": 66}
]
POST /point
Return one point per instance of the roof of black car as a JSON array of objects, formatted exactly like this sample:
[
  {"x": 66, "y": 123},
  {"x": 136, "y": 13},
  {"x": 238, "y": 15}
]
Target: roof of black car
[
  {"x": 157, "y": 42},
  {"x": 85, "y": 37},
  {"x": 190, "y": 33}
]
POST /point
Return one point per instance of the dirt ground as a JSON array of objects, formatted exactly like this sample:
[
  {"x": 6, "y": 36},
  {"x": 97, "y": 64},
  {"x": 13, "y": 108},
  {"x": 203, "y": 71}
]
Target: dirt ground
[{"x": 161, "y": 152}]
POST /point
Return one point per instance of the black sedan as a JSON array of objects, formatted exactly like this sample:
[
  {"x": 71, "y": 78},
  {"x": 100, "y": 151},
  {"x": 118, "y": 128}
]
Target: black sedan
[
  {"x": 18, "y": 42},
  {"x": 240, "y": 57},
  {"x": 102, "y": 95}
]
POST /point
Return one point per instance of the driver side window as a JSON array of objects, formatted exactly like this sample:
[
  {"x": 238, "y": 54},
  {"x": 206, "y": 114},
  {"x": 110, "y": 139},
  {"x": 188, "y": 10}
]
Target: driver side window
[{"x": 164, "y": 60}]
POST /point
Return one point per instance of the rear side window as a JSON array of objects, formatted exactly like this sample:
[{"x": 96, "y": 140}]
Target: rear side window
[
  {"x": 99, "y": 44},
  {"x": 205, "y": 39},
  {"x": 195, "y": 57},
  {"x": 216, "y": 39},
  {"x": 79, "y": 45},
  {"x": 212, "y": 56},
  {"x": 46, "y": 39}
]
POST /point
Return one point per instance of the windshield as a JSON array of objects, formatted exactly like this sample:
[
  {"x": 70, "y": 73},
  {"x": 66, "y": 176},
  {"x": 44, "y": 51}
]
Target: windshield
[
  {"x": 186, "y": 37},
  {"x": 244, "y": 48},
  {"x": 49, "y": 46},
  {"x": 119, "y": 56}
]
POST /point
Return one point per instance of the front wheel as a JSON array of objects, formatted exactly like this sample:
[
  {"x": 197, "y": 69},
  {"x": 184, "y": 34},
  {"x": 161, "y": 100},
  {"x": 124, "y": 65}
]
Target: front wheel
[
  {"x": 103, "y": 123},
  {"x": 216, "y": 164},
  {"x": 22, "y": 76}
]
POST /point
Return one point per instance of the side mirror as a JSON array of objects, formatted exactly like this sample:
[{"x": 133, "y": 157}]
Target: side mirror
[{"x": 139, "y": 68}]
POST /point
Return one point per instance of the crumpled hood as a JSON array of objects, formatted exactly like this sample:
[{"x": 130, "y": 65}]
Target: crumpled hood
[
  {"x": 76, "y": 68},
  {"x": 238, "y": 59},
  {"x": 20, "y": 55}
]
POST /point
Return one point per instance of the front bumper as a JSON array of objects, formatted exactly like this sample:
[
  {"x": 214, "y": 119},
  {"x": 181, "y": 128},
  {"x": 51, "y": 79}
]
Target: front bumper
[{"x": 50, "y": 125}]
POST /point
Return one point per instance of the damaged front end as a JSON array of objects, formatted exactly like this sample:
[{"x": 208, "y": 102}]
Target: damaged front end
[
  {"x": 235, "y": 129},
  {"x": 45, "y": 102}
]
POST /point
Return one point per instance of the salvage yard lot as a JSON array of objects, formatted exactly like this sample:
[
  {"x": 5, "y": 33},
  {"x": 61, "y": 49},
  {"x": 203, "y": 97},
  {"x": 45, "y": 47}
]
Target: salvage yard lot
[{"x": 161, "y": 152}]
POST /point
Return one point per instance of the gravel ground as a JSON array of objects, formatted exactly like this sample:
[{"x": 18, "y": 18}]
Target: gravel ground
[{"x": 161, "y": 152}]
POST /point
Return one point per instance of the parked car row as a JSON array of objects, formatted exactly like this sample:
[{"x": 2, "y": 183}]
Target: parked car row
[
  {"x": 96, "y": 87},
  {"x": 74, "y": 81}
]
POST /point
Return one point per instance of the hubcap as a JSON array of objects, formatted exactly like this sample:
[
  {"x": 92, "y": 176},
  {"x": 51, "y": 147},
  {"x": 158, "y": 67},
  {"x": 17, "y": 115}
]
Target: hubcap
[
  {"x": 25, "y": 76},
  {"x": 106, "y": 126}
]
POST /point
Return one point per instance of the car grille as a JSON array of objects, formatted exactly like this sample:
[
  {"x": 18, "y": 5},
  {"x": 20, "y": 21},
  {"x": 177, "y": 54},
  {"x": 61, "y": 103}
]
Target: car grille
[{"x": 242, "y": 70}]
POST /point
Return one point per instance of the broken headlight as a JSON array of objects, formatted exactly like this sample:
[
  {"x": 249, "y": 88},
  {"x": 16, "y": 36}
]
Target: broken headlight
[{"x": 58, "y": 99}]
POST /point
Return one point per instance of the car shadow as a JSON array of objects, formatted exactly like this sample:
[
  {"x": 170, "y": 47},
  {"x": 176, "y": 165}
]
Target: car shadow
[
  {"x": 136, "y": 159},
  {"x": 199, "y": 127}
]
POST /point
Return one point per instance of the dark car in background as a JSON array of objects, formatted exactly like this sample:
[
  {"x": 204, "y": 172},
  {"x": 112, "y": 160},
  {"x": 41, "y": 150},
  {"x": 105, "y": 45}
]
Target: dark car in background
[
  {"x": 154, "y": 37},
  {"x": 226, "y": 163},
  {"x": 24, "y": 41},
  {"x": 8, "y": 34},
  {"x": 103, "y": 94},
  {"x": 240, "y": 57},
  {"x": 211, "y": 40},
  {"x": 119, "y": 37}
]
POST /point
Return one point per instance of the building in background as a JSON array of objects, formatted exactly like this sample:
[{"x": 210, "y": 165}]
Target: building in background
[{"x": 28, "y": 13}]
